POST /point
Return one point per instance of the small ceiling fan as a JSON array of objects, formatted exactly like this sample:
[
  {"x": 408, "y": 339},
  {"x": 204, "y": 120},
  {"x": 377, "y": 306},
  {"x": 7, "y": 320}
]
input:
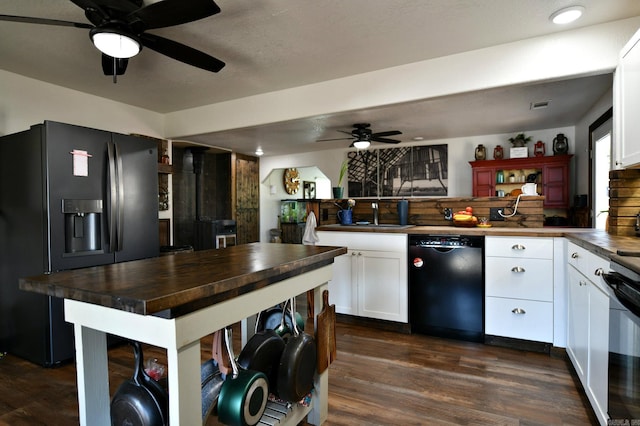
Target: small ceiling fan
[
  {"x": 363, "y": 136},
  {"x": 118, "y": 29}
]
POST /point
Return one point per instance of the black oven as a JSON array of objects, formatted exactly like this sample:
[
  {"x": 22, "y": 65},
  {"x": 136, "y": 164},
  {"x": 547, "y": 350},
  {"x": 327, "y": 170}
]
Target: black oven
[{"x": 624, "y": 345}]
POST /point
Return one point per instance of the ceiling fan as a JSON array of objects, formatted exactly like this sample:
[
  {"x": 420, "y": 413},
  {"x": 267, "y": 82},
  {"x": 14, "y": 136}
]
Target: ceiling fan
[
  {"x": 118, "y": 29},
  {"x": 363, "y": 136}
]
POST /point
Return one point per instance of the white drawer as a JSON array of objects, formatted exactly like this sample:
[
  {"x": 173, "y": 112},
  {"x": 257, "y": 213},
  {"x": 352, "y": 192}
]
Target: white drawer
[
  {"x": 519, "y": 278},
  {"x": 534, "y": 323},
  {"x": 531, "y": 247},
  {"x": 577, "y": 257}
]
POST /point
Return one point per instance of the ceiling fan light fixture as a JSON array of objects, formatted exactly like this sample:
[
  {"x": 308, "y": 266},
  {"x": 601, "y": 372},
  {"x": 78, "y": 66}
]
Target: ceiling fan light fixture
[
  {"x": 567, "y": 15},
  {"x": 115, "y": 43},
  {"x": 361, "y": 144}
]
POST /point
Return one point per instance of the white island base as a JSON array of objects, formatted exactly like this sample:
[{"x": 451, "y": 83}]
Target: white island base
[{"x": 181, "y": 338}]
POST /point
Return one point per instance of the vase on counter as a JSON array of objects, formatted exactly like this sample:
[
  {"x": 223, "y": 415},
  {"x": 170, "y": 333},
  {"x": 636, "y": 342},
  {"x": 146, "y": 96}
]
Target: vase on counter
[{"x": 337, "y": 192}]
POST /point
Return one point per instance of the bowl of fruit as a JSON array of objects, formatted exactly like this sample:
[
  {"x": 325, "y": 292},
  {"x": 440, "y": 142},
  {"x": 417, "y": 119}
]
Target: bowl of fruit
[{"x": 465, "y": 218}]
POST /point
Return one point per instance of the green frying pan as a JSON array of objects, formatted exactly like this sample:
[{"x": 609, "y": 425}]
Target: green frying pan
[{"x": 243, "y": 396}]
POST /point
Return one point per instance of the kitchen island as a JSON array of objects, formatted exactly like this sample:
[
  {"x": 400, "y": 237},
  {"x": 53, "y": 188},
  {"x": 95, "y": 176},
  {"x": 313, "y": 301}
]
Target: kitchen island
[{"x": 174, "y": 301}]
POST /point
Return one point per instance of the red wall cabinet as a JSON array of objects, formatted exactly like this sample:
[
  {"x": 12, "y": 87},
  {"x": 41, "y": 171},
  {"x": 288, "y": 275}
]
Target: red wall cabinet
[{"x": 552, "y": 177}]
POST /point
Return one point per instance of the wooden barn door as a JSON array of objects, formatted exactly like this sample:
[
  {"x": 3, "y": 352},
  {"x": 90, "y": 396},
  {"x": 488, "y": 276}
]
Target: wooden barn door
[{"x": 246, "y": 197}]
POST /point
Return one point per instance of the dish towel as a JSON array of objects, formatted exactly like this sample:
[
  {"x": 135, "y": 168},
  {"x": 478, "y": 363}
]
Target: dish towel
[{"x": 310, "y": 237}]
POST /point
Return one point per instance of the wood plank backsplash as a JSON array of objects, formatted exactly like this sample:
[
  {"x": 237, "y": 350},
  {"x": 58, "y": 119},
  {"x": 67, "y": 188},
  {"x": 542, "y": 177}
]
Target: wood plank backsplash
[
  {"x": 430, "y": 211},
  {"x": 624, "y": 201}
]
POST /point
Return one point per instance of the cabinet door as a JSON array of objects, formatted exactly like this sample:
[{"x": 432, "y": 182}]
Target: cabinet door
[
  {"x": 598, "y": 353},
  {"x": 555, "y": 188},
  {"x": 483, "y": 183},
  {"x": 578, "y": 322},
  {"x": 342, "y": 287},
  {"x": 382, "y": 285},
  {"x": 629, "y": 73}
]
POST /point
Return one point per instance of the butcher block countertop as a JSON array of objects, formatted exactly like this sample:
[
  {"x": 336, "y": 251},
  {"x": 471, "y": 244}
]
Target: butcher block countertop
[{"x": 171, "y": 286}]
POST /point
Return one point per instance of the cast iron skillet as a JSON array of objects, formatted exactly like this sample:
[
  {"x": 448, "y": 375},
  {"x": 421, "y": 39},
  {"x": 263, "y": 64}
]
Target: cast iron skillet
[
  {"x": 139, "y": 401},
  {"x": 297, "y": 364},
  {"x": 262, "y": 353},
  {"x": 243, "y": 396}
]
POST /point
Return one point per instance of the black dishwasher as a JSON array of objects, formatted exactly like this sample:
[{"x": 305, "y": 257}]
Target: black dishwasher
[{"x": 446, "y": 286}]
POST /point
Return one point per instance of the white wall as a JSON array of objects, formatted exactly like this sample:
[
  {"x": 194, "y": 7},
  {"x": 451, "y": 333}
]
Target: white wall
[
  {"x": 25, "y": 101},
  {"x": 460, "y": 152}
]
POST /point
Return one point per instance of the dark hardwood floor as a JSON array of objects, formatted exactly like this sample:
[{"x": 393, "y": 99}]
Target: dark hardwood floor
[{"x": 379, "y": 378}]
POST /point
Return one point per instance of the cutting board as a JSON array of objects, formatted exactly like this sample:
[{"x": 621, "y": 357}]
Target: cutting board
[{"x": 326, "y": 333}]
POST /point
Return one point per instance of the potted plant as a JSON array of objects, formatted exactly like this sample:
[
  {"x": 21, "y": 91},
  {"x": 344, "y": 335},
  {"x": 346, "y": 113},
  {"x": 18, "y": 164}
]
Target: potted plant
[
  {"x": 339, "y": 190},
  {"x": 519, "y": 140}
]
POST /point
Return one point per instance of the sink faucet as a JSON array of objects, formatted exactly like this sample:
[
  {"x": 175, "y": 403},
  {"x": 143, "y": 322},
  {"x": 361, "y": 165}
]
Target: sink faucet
[{"x": 374, "y": 206}]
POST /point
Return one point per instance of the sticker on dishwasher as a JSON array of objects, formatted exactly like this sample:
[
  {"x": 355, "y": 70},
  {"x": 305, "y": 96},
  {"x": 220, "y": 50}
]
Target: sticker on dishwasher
[{"x": 417, "y": 262}]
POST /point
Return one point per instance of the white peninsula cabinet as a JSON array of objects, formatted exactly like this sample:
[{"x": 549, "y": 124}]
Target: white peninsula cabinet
[
  {"x": 588, "y": 324},
  {"x": 371, "y": 279}
]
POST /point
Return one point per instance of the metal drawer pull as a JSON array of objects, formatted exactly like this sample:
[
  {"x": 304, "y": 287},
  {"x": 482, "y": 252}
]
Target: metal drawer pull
[
  {"x": 518, "y": 247},
  {"x": 518, "y": 311},
  {"x": 519, "y": 269},
  {"x": 581, "y": 283},
  {"x": 599, "y": 272},
  {"x": 574, "y": 255}
]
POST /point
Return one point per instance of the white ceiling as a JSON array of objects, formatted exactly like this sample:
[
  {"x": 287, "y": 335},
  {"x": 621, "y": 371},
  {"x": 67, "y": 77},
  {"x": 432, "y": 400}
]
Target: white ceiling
[{"x": 271, "y": 45}]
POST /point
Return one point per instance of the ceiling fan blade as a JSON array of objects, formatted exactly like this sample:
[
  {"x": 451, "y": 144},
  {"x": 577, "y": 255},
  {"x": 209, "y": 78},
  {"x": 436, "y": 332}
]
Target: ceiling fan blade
[
  {"x": 181, "y": 52},
  {"x": 125, "y": 6},
  {"x": 168, "y": 13},
  {"x": 387, "y": 133},
  {"x": 44, "y": 21},
  {"x": 337, "y": 139},
  {"x": 385, "y": 140}
]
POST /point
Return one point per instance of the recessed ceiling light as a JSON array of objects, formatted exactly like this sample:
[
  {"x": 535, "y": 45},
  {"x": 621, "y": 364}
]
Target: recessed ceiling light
[
  {"x": 566, "y": 15},
  {"x": 418, "y": 138},
  {"x": 259, "y": 152}
]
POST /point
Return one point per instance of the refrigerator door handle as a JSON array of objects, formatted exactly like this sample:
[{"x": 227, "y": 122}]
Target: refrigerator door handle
[
  {"x": 120, "y": 203},
  {"x": 112, "y": 196}
]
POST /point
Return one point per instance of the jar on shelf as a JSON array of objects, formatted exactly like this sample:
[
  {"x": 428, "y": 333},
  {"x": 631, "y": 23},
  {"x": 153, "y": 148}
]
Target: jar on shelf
[
  {"x": 481, "y": 152},
  {"x": 512, "y": 178},
  {"x": 500, "y": 176}
]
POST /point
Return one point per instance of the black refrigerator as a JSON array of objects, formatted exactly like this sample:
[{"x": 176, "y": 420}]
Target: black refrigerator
[{"x": 70, "y": 197}]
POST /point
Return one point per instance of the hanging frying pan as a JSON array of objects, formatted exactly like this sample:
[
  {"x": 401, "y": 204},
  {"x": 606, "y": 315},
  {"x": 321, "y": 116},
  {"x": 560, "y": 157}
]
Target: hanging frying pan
[
  {"x": 139, "y": 401},
  {"x": 271, "y": 318},
  {"x": 243, "y": 396},
  {"x": 211, "y": 382},
  {"x": 262, "y": 353},
  {"x": 297, "y": 364}
]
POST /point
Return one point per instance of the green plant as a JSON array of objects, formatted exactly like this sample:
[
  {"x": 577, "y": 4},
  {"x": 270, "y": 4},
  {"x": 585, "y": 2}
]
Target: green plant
[
  {"x": 520, "y": 136},
  {"x": 343, "y": 171}
]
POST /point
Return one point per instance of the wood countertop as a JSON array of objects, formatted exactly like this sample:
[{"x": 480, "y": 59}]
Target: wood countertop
[{"x": 170, "y": 286}]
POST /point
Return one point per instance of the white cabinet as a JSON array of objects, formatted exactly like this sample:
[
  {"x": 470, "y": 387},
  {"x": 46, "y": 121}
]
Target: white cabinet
[
  {"x": 519, "y": 288},
  {"x": 588, "y": 325},
  {"x": 371, "y": 279},
  {"x": 628, "y": 102}
]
